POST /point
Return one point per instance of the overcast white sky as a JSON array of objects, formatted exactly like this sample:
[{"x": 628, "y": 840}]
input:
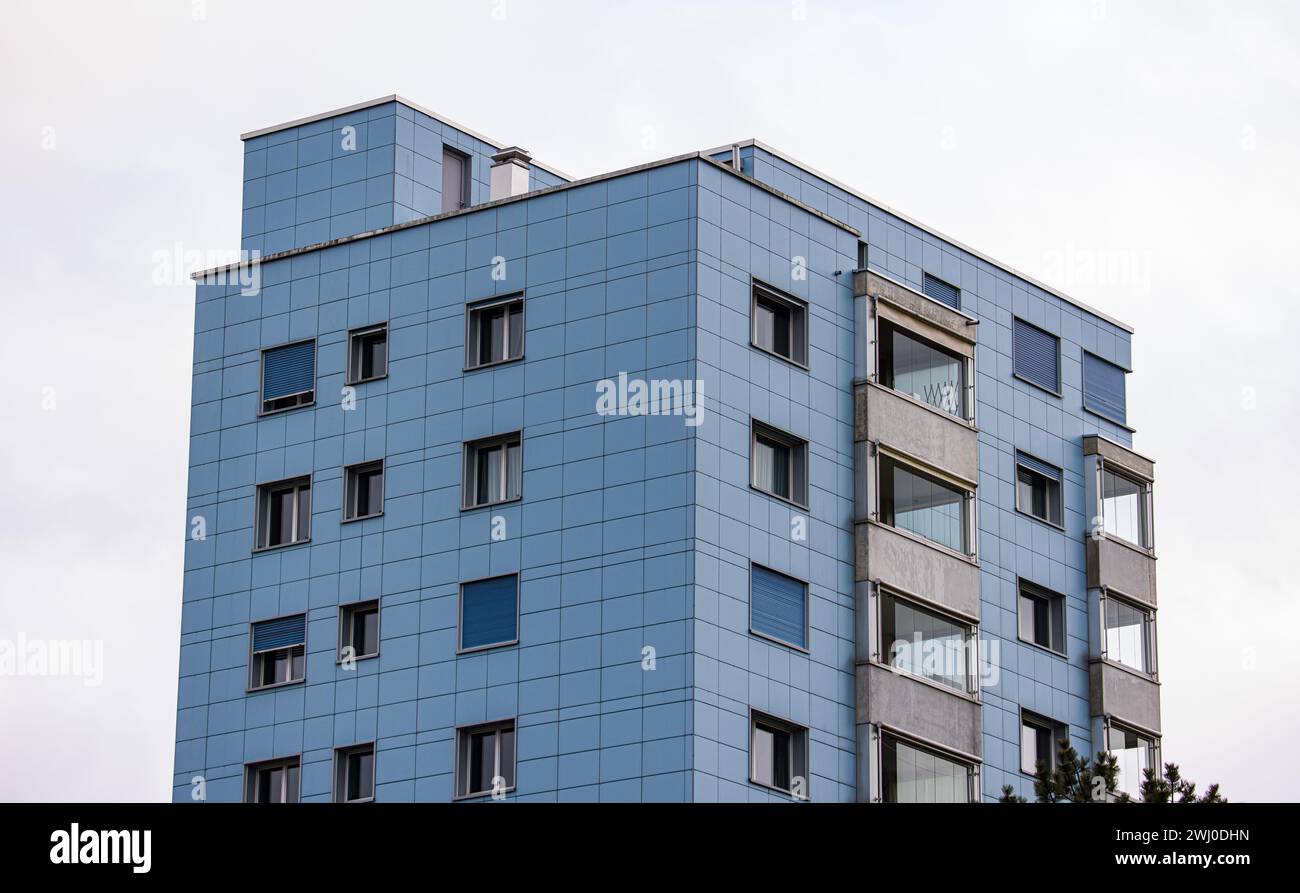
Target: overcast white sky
[{"x": 1143, "y": 157}]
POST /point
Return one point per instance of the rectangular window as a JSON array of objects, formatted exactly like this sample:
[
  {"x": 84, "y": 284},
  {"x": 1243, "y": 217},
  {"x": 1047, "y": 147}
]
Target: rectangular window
[
  {"x": 941, "y": 291},
  {"x": 913, "y": 774},
  {"x": 1037, "y": 356},
  {"x": 1038, "y": 737},
  {"x": 359, "y": 631},
  {"x": 363, "y": 490},
  {"x": 1124, "y": 508},
  {"x": 455, "y": 180},
  {"x": 780, "y": 324},
  {"x": 275, "y": 781},
  {"x": 354, "y": 774},
  {"x": 1129, "y": 633},
  {"x": 288, "y": 376},
  {"x": 778, "y": 755},
  {"x": 489, "y": 613},
  {"x": 485, "y": 759},
  {"x": 1042, "y": 617},
  {"x": 917, "y": 502},
  {"x": 494, "y": 331},
  {"x": 1135, "y": 753},
  {"x": 493, "y": 470},
  {"x": 921, "y": 370},
  {"x": 1103, "y": 388},
  {"x": 368, "y": 353},
  {"x": 283, "y": 513},
  {"x": 778, "y": 606},
  {"x": 1038, "y": 489},
  {"x": 779, "y": 463},
  {"x": 279, "y": 652},
  {"x": 926, "y": 643}
]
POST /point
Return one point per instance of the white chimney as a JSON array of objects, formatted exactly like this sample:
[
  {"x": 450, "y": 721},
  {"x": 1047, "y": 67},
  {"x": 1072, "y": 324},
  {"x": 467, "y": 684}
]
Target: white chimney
[{"x": 510, "y": 169}]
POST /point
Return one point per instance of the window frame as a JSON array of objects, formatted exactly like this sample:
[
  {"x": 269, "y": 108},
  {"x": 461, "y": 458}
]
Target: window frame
[
  {"x": 347, "y": 619},
  {"x": 261, "y": 380},
  {"x": 933, "y": 278},
  {"x": 1060, "y": 491},
  {"x": 1059, "y": 392},
  {"x": 1148, "y": 634},
  {"x": 473, "y": 327},
  {"x": 262, "y": 508},
  {"x": 462, "y": 755},
  {"x": 341, "y": 757},
  {"x": 466, "y": 178},
  {"x": 800, "y": 340},
  {"x": 253, "y": 655},
  {"x": 1041, "y": 593},
  {"x": 800, "y": 744},
  {"x": 356, "y": 344},
  {"x": 469, "y": 468},
  {"x": 792, "y": 442},
  {"x": 970, "y": 502},
  {"x": 807, "y": 610},
  {"x": 883, "y": 733},
  {"x": 886, "y": 376},
  {"x": 1083, "y": 389},
  {"x": 352, "y": 490},
  {"x": 1041, "y": 725},
  {"x": 251, "y": 771},
  {"x": 970, "y": 640},
  {"x": 1153, "y": 752},
  {"x": 1144, "y": 503},
  {"x": 460, "y": 615}
]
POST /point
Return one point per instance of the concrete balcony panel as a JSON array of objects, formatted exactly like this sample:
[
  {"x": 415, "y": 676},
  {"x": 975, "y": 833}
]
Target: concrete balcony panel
[
  {"x": 1126, "y": 569},
  {"x": 916, "y": 708},
  {"x": 910, "y": 565},
  {"x": 1127, "y": 696},
  {"x": 938, "y": 439}
]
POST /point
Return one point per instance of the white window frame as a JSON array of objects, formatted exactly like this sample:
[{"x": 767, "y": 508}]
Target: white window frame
[
  {"x": 799, "y": 319},
  {"x": 800, "y": 743},
  {"x": 252, "y": 773},
  {"x": 352, "y": 490},
  {"x": 341, "y": 757},
  {"x": 469, "y": 480},
  {"x": 347, "y": 622},
  {"x": 262, "y": 512},
  {"x": 800, "y": 456},
  {"x": 473, "y": 326},
  {"x": 463, "y": 739},
  {"x": 355, "y": 346},
  {"x": 1148, "y": 632}
]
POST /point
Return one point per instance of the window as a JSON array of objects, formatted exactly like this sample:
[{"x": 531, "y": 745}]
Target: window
[
  {"x": 359, "y": 631},
  {"x": 288, "y": 376},
  {"x": 494, "y": 331},
  {"x": 1038, "y": 737},
  {"x": 914, "y": 501},
  {"x": 493, "y": 469},
  {"x": 279, "y": 652},
  {"x": 778, "y": 606},
  {"x": 1038, "y": 489},
  {"x": 485, "y": 759},
  {"x": 1042, "y": 617},
  {"x": 1130, "y": 632},
  {"x": 780, "y": 324},
  {"x": 283, "y": 513},
  {"x": 367, "y": 353},
  {"x": 275, "y": 781},
  {"x": 941, "y": 291},
  {"x": 489, "y": 613},
  {"x": 455, "y": 180},
  {"x": 1124, "y": 508},
  {"x": 778, "y": 755},
  {"x": 354, "y": 774},
  {"x": 912, "y": 774},
  {"x": 780, "y": 464},
  {"x": 363, "y": 490},
  {"x": 1103, "y": 388},
  {"x": 1037, "y": 357},
  {"x": 925, "y": 643},
  {"x": 920, "y": 370},
  {"x": 1135, "y": 753}
]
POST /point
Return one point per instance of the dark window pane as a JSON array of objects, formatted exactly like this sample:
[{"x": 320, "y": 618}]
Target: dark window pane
[
  {"x": 516, "y": 330},
  {"x": 507, "y": 768},
  {"x": 366, "y": 632},
  {"x": 483, "y": 761}
]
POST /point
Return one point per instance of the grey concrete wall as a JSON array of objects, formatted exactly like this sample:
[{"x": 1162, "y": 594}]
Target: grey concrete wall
[
  {"x": 914, "y": 707},
  {"x": 911, "y": 566},
  {"x": 1127, "y": 570},
  {"x": 938, "y": 439},
  {"x": 1128, "y": 697},
  {"x": 1115, "y": 454}
]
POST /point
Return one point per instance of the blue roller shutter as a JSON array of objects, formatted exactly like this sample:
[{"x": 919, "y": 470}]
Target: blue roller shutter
[
  {"x": 1037, "y": 356},
  {"x": 489, "y": 612},
  {"x": 1048, "y": 471},
  {"x": 288, "y": 370},
  {"x": 1103, "y": 388},
  {"x": 778, "y": 606},
  {"x": 941, "y": 291},
  {"x": 281, "y": 633}
]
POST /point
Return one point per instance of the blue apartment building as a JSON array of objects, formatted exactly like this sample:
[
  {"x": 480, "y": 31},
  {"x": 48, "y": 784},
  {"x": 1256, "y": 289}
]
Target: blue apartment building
[{"x": 706, "y": 480}]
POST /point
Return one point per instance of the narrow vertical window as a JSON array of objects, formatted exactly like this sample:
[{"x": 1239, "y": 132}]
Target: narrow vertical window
[
  {"x": 778, "y": 752},
  {"x": 455, "y": 180},
  {"x": 354, "y": 774},
  {"x": 1124, "y": 508}
]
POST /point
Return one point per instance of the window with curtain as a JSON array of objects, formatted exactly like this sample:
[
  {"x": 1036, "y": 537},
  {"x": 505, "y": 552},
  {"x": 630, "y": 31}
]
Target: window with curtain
[
  {"x": 780, "y": 323},
  {"x": 493, "y": 470},
  {"x": 283, "y": 513},
  {"x": 914, "y": 501},
  {"x": 925, "y": 643},
  {"x": 779, "y": 464},
  {"x": 921, "y": 370},
  {"x": 912, "y": 774},
  {"x": 494, "y": 331},
  {"x": 485, "y": 759},
  {"x": 1124, "y": 508}
]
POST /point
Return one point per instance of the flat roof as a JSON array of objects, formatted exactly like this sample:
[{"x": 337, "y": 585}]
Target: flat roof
[
  {"x": 311, "y": 119},
  {"x": 931, "y": 230}
]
